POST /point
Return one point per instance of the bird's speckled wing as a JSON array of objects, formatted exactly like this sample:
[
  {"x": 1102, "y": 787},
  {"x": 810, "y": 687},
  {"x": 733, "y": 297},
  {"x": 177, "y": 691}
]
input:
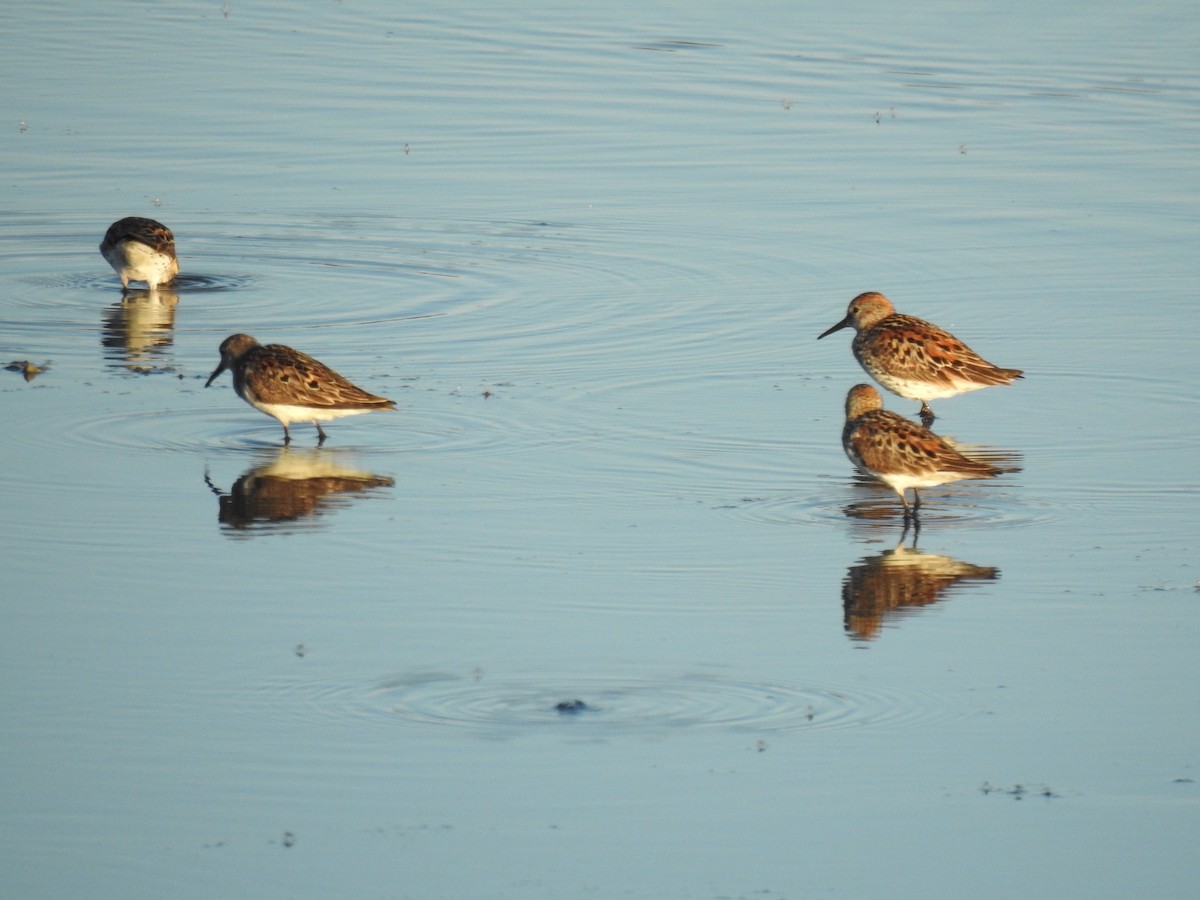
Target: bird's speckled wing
[
  {"x": 884, "y": 441},
  {"x": 145, "y": 231},
  {"x": 916, "y": 350},
  {"x": 283, "y": 375}
]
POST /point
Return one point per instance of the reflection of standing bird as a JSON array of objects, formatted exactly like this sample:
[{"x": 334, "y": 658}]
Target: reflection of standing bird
[
  {"x": 141, "y": 250},
  {"x": 290, "y": 385},
  {"x": 912, "y": 357},
  {"x": 900, "y": 453},
  {"x": 291, "y": 488},
  {"x": 880, "y": 588}
]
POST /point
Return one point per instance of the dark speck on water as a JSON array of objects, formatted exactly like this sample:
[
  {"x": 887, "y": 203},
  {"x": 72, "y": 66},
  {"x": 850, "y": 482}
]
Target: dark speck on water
[{"x": 571, "y": 707}]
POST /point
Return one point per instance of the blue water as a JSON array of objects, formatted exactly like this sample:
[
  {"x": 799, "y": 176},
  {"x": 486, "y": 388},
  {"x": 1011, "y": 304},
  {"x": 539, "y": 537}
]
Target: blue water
[{"x": 588, "y": 252}]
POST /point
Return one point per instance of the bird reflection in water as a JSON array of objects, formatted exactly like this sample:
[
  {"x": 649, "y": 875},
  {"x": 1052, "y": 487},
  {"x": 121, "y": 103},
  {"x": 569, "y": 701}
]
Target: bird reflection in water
[
  {"x": 292, "y": 489},
  {"x": 138, "y": 332},
  {"x": 882, "y": 588}
]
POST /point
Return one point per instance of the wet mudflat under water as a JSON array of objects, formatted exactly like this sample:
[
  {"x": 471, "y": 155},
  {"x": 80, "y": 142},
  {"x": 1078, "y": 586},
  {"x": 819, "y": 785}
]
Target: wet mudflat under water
[{"x": 602, "y": 609}]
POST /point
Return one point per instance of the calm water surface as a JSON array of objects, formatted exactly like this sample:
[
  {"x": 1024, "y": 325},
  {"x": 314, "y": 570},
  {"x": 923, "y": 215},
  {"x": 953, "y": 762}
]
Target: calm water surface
[{"x": 601, "y": 610}]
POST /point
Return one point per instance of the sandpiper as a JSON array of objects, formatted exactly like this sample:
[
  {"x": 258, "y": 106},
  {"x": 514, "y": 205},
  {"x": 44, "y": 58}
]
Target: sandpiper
[
  {"x": 290, "y": 385},
  {"x": 899, "y": 452},
  {"x": 912, "y": 357},
  {"x": 141, "y": 250}
]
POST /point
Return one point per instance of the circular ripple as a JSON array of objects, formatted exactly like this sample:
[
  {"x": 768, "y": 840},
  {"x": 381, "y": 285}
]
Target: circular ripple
[
  {"x": 194, "y": 283},
  {"x": 866, "y": 506},
  {"x": 864, "y": 502},
  {"x": 608, "y": 706},
  {"x": 187, "y": 283},
  {"x": 237, "y": 427}
]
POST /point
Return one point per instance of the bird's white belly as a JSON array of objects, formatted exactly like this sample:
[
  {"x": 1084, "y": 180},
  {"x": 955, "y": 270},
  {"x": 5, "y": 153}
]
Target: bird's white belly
[
  {"x": 915, "y": 389},
  {"x": 287, "y": 413},
  {"x": 138, "y": 262}
]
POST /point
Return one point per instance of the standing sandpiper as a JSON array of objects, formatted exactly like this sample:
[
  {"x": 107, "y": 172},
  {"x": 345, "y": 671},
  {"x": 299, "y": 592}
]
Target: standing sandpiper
[
  {"x": 912, "y": 357},
  {"x": 291, "y": 386},
  {"x": 141, "y": 250},
  {"x": 901, "y": 453}
]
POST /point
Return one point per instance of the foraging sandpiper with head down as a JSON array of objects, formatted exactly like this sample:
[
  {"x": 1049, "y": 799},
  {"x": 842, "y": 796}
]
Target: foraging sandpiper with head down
[
  {"x": 291, "y": 386},
  {"x": 141, "y": 250},
  {"x": 900, "y": 453},
  {"x": 912, "y": 357}
]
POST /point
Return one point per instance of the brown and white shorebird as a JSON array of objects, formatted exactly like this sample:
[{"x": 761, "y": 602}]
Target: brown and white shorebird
[
  {"x": 912, "y": 357},
  {"x": 899, "y": 452},
  {"x": 291, "y": 386},
  {"x": 141, "y": 250}
]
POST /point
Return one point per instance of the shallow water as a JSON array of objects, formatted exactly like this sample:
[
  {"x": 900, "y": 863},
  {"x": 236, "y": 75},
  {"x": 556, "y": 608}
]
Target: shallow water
[{"x": 588, "y": 252}]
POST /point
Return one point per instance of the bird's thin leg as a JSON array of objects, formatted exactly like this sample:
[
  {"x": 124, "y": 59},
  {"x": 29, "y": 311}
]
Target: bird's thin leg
[
  {"x": 287, "y": 436},
  {"x": 320, "y": 434}
]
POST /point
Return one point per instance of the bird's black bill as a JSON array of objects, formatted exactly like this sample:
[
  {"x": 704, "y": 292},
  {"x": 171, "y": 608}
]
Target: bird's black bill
[
  {"x": 217, "y": 371},
  {"x": 838, "y": 327}
]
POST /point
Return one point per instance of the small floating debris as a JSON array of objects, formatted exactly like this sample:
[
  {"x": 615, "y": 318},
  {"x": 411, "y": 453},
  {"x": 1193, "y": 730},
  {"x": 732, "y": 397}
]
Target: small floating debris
[
  {"x": 1019, "y": 791},
  {"x": 571, "y": 707},
  {"x": 28, "y": 370}
]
